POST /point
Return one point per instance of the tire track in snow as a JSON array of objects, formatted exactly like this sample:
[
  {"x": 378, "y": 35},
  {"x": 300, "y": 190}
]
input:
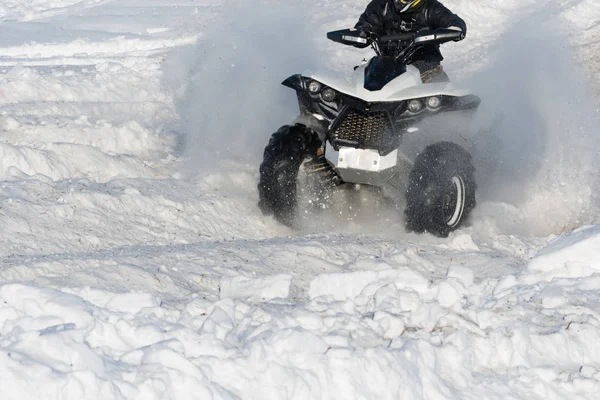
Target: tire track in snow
[{"x": 173, "y": 270}]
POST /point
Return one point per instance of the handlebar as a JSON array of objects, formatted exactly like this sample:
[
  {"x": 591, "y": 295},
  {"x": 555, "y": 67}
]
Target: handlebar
[
  {"x": 400, "y": 37},
  {"x": 356, "y": 38},
  {"x": 438, "y": 36},
  {"x": 402, "y": 45}
]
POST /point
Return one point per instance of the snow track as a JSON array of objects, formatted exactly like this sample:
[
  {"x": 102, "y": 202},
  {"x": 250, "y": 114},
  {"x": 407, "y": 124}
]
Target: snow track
[{"x": 135, "y": 264}]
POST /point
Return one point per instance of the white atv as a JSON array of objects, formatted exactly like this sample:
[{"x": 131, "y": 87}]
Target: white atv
[{"x": 350, "y": 132}]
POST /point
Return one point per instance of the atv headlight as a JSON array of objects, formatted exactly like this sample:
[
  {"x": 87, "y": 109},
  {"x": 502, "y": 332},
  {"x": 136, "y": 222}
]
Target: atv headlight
[
  {"x": 415, "y": 106},
  {"x": 314, "y": 87},
  {"x": 328, "y": 95},
  {"x": 434, "y": 102}
]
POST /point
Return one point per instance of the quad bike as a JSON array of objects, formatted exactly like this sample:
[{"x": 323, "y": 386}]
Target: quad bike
[{"x": 351, "y": 132}]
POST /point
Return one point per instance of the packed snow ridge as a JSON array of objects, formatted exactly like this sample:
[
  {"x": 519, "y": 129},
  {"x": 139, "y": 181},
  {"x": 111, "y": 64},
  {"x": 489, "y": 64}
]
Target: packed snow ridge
[{"x": 135, "y": 263}]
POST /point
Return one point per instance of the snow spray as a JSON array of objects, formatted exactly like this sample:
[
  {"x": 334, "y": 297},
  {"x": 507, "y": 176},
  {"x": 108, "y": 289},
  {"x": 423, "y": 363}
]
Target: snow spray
[
  {"x": 538, "y": 137},
  {"x": 231, "y": 99}
]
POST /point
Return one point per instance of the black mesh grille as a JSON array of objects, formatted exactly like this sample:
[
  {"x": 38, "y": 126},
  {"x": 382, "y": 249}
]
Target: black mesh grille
[{"x": 364, "y": 130}]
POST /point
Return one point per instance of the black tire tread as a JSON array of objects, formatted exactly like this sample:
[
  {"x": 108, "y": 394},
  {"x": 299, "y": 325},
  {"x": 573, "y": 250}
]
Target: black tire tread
[
  {"x": 433, "y": 169},
  {"x": 287, "y": 149}
]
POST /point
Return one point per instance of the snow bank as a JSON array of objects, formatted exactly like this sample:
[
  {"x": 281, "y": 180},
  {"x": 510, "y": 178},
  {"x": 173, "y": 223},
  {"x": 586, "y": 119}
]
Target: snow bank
[
  {"x": 34, "y": 9},
  {"x": 577, "y": 255},
  {"x": 349, "y": 285},
  {"x": 256, "y": 289},
  {"x": 383, "y": 334}
]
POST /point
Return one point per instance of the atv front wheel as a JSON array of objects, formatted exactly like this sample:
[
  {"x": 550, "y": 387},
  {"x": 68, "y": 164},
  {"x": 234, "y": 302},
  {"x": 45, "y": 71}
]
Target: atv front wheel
[
  {"x": 284, "y": 154},
  {"x": 441, "y": 190}
]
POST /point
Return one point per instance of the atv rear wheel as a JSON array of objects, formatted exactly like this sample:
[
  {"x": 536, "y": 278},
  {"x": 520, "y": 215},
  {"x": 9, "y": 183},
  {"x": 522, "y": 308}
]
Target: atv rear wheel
[
  {"x": 284, "y": 154},
  {"x": 441, "y": 190}
]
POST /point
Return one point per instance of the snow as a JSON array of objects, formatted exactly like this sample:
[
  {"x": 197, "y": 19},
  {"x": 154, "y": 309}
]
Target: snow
[
  {"x": 135, "y": 264},
  {"x": 258, "y": 289},
  {"x": 575, "y": 249}
]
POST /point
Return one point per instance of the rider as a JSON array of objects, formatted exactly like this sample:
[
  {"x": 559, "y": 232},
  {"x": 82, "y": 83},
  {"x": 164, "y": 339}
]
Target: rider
[{"x": 387, "y": 17}]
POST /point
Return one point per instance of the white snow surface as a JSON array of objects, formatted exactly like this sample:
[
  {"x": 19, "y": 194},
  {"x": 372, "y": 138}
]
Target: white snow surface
[{"x": 135, "y": 263}]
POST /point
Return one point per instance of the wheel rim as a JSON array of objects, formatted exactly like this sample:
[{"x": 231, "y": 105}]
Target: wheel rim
[{"x": 459, "y": 195}]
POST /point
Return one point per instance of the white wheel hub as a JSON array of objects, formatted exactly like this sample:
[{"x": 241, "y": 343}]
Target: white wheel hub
[{"x": 459, "y": 208}]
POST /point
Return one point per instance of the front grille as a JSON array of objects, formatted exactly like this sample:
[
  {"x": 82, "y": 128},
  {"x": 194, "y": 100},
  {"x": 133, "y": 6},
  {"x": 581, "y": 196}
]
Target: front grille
[{"x": 371, "y": 131}]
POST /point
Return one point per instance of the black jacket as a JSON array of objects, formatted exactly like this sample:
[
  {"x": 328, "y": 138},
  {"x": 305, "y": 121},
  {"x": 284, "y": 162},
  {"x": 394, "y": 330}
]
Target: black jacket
[{"x": 382, "y": 18}]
